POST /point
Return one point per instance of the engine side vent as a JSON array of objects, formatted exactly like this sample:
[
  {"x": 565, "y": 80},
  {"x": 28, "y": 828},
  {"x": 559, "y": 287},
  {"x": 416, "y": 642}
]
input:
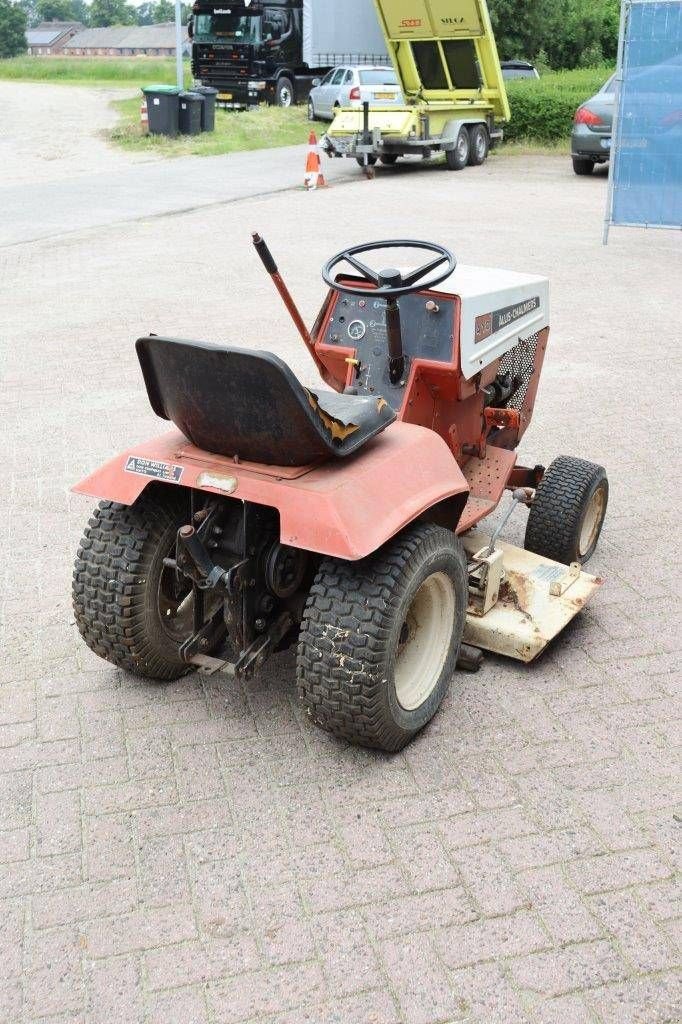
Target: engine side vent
[{"x": 520, "y": 363}]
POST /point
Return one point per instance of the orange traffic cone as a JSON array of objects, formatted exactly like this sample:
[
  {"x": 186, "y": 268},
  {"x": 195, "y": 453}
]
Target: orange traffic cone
[{"x": 314, "y": 178}]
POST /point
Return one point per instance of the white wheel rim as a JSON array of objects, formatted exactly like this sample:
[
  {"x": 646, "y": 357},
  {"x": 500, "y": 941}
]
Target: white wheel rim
[
  {"x": 426, "y": 638},
  {"x": 285, "y": 97},
  {"x": 480, "y": 146},
  {"x": 462, "y": 146},
  {"x": 592, "y": 521}
]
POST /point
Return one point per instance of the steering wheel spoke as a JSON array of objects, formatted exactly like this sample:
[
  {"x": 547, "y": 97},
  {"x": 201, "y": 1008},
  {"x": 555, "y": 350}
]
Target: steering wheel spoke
[
  {"x": 369, "y": 275},
  {"x": 428, "y": 268},
  {"x": 396, "y": 286}
]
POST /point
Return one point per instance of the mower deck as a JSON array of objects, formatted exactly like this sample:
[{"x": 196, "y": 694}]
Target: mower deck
[{"x": 537, "y": 599}]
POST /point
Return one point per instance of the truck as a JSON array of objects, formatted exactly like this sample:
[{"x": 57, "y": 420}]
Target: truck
[
  {"x": 257, "y": 52},
  {"x": 446, "y": 60}
]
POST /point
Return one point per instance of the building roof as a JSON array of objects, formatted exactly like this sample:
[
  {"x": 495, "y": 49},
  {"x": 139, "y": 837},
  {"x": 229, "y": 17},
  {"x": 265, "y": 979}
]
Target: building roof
[
  {"x": 127, "y": 37},
  {"x": 48, "y": 31}
]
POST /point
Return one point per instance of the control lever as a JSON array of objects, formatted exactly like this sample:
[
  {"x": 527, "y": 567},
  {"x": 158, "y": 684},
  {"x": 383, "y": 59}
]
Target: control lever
[{"x": 520, "y": 496}]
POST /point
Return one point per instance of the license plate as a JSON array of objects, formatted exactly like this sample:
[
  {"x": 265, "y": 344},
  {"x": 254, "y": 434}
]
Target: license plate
[
  {"x": 224, "y": 95},
  {"x": 384, "y": 95}
]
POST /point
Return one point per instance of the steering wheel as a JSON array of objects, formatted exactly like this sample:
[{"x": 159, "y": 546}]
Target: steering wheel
[{"x": 389, "y": 284}]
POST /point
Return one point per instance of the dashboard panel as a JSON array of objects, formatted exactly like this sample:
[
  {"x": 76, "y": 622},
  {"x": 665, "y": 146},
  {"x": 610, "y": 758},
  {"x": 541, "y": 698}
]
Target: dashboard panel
[{"x": 428, "y": 328}]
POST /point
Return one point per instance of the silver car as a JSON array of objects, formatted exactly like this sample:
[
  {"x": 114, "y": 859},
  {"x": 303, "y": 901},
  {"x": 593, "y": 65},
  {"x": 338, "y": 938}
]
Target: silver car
[
  {"x": 351, "y": 87},
  {"x": 592, "y": 128}
]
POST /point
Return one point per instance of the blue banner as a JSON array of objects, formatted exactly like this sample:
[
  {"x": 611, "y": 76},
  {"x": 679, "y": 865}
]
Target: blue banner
[{"x": 646, "y": 162}]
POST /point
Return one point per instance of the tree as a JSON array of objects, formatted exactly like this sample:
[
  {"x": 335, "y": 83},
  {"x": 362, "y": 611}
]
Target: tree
[
  {"x": 12, "y": 29},
  {"x": 112, "y": 12},
  {"x": 55, "y": 10},
  {"x": 145, "y": 13},
  {"x": 81, "y": 11},
  {"x": 30, "y": 9}
]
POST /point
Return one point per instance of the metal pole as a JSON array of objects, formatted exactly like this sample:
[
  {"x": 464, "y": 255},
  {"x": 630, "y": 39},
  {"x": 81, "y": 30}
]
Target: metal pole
[{"x": 179, "y": 70}]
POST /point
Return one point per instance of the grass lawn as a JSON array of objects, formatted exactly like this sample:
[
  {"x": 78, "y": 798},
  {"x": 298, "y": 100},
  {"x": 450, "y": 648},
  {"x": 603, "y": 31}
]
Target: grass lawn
[
  {"x": 234, "y": 131},
  {"x": 130, "y": 72}
]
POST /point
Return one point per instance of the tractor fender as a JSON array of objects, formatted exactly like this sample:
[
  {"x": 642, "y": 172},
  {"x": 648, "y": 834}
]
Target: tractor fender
[
  {"x": 346, "y": 508},
  {"x": 451, "y": 130}
]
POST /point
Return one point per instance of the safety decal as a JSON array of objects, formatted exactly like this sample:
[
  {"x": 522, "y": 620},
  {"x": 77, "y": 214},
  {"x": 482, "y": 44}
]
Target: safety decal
[{"x": 152, "y": 468}]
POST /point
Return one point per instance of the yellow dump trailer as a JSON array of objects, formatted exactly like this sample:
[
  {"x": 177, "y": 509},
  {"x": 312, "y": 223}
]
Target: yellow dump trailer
[{"x": 445, "y": 56}]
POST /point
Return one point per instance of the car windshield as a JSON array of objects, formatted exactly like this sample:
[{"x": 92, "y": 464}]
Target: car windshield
[
  {"x": 510, "y": 73},
  {"x": 378, "y": 76},
  {"x": 237, "y": 28}
]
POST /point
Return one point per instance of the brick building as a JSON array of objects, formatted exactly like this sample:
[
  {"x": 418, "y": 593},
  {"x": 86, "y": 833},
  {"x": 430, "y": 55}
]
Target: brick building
[
  {"x": 50, "y": 37},
  {"x": 126, "y": 41}
]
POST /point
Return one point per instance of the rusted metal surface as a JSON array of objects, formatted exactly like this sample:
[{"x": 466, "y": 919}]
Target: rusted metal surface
[
  {"x": 346, "y": 509},
  {"x": 527, "y": 615},
  {"x": 487, "y": 479}
]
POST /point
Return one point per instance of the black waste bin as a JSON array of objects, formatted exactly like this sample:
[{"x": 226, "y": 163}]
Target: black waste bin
[
  {"x": 208, "y": 109},
  {"x": 162, "y": 109},
  {"x": 190, "y": 113}
]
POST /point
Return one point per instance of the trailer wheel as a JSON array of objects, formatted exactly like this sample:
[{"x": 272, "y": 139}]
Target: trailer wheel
[
  {"x": 568, "y": 512},
  {"x": 480, "y": 145},
  {"x": 458, "y": 157},
  {"x": 380, "y": 638},
  {"x": 284, "y": 93},
  {"x": 129, "y": 608},
  {"x": 371, "y": 160},
  {"x": 389, "y": 159}
]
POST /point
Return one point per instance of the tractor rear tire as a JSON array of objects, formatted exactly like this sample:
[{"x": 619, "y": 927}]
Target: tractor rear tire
[
  {"x": 568, "y": 511},
  {"x": 120, "y": 583},
  {"x": 458, "y": 157},
  {"x": 380, "y": 638}
]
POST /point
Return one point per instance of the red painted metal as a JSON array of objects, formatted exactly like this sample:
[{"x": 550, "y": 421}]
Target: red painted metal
[{"x": 346, "y": 508}]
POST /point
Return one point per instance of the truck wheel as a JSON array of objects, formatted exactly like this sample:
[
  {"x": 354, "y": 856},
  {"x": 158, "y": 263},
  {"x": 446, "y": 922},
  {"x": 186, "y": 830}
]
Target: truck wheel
[
  {"x": 284, "y": 93},
  {"x": 568, "y": 511},
  {"x": 380, "y": 638},
  {"x": 129, "y": 608},
  {"x": 479, "y": 145},
  {"x": 458, "y": 158},
  {"x": 582, "y": 166}
]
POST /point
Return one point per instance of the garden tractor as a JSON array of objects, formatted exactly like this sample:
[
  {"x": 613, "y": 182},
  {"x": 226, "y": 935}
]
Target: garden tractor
[{"x": 346, "y": 517}]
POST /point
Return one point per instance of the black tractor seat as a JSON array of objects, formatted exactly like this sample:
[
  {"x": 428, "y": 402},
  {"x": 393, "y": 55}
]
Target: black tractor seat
[{"x": 231, "y": 401}]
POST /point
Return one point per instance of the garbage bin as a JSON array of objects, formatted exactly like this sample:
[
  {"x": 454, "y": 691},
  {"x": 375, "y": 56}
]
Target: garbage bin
[
  {"x": 162, "y": 108},
  {"x": 208, "y": 109},
  {"x": 190, "y": 113}
]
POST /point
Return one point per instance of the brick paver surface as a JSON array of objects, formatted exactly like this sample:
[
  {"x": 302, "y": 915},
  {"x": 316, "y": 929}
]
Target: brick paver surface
[{"x": 197, "y": 852}]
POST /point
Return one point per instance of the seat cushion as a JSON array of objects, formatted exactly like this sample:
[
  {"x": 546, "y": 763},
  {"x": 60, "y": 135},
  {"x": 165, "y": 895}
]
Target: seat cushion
[{"x": 236, "y": 402}]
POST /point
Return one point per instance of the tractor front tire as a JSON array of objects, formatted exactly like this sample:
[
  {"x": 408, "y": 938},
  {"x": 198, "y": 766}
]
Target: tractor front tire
[
  {"x": 568, "y": 511},
  {"x": 124, "y": 600},
  {"x": 380, "y": 638}
]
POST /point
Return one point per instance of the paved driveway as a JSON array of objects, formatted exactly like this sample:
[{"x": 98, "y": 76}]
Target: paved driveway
[{"x": 197, "y": 852}]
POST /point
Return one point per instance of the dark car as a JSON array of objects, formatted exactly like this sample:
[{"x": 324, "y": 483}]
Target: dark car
[
  {"x": 513, "y": 69},
  {"x": 592, "y": 128}
]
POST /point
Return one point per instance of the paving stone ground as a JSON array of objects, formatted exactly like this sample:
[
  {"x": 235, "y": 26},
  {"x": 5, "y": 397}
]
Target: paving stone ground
[{"x": 197, "y": 852}]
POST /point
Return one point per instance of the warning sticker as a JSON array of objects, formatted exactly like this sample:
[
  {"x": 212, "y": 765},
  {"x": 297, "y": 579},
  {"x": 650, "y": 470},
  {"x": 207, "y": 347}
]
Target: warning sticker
[{"x": 157, "y": 470}]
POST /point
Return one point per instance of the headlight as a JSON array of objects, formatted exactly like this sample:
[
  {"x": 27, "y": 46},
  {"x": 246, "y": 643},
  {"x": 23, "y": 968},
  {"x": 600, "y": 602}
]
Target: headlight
[{"x": 256, "y": 86}]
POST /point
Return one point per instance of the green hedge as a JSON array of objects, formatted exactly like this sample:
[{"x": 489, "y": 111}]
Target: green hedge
[{"x": 543, "y": 110}]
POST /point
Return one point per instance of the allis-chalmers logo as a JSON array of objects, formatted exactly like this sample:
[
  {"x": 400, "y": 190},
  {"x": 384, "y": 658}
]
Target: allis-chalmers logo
[
  {"x": 410, "y": 23},
  {"x": 453, "y": 21}
]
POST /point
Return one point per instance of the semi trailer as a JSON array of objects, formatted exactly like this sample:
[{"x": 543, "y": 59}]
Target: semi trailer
[
  {"x": 446, "y": 60},
  {"x": 257, "y": 52}
]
